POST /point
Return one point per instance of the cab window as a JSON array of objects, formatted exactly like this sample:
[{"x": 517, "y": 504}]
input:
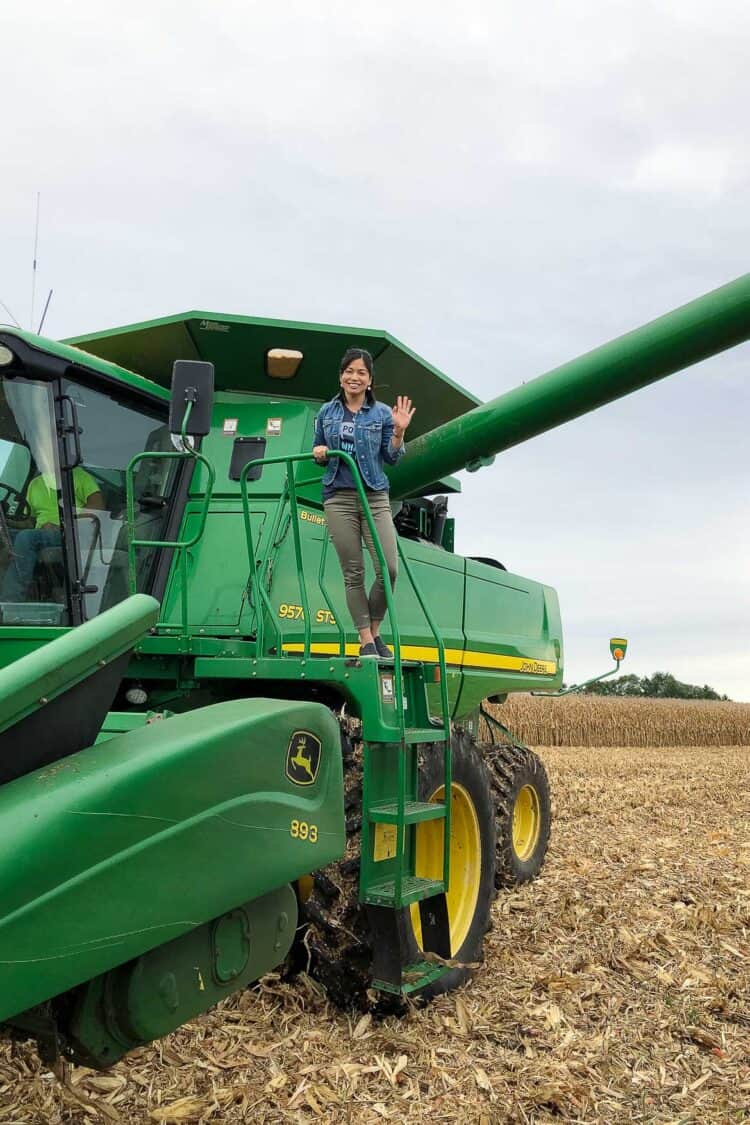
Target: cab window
[
  {"x": 111, "y": 431},
  {"x": 64, "y": 451},
  {"x": 33, "y": 567}
]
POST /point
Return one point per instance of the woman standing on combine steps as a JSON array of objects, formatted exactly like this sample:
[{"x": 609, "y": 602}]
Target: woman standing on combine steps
[{"x": 355, "y": 422}]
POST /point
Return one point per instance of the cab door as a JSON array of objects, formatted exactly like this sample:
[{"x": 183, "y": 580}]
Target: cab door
[
  {"x": 101, "y": 429},
  {"x": 36, "y": 548}
]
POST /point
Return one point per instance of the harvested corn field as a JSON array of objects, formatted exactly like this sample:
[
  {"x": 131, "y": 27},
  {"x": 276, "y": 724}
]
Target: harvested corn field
[
  {"x": 595, "y": 720},
  {"x": 616, "y": 989}
]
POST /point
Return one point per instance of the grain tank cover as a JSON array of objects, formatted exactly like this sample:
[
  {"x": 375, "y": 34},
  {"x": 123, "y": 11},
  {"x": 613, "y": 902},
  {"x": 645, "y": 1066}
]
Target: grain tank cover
[{"x": 238, "y": 347}]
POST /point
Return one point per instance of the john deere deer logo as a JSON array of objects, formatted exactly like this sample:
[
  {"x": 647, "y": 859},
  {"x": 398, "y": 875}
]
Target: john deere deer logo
[{"x": 303, "y": 758}]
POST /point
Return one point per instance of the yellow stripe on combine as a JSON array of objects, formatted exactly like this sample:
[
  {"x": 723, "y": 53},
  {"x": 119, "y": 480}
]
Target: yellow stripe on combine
[{"x": 456, "y": 657}]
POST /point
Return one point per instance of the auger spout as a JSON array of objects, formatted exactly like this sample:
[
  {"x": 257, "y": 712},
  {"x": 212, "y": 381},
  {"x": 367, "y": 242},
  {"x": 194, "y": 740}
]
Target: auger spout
[{"x": 693, "y": 332}]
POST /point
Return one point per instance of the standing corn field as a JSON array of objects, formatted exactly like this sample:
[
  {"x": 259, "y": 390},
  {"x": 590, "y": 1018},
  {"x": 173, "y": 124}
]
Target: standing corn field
[{"x": 592, "y": 720}]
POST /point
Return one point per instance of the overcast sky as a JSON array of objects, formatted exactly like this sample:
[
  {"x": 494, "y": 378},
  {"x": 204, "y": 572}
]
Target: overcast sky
[{"x": 502, "y": 186}]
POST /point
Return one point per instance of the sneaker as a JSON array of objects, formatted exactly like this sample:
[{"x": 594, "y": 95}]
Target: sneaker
[
  {"x": 383, "y": 649},
  {"x": 368, "y": 650}
]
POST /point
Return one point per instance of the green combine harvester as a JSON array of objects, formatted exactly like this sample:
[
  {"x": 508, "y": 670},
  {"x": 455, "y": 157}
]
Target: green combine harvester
[{"x": 200, "y": 781}]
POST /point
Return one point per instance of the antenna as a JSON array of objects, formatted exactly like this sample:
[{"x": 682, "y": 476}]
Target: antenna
[
  {"x": 41, "y": 322},
  {"x": 33, "y": 267},
  {"x": 10, "y": 314}
]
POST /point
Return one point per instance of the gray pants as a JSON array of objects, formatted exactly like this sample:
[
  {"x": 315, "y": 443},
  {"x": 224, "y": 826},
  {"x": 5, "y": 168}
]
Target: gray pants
[{"x": 347, "y": 527}]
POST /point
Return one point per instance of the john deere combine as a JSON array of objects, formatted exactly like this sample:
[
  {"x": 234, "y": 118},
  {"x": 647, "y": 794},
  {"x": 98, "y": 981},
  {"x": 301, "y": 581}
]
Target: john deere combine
[{"x": 199, "y": 778}]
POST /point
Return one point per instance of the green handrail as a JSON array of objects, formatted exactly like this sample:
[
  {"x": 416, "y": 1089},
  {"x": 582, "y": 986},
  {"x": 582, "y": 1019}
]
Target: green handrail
[
  {"x": 257, "y": 570},
  {"x": 180, "y": 545},
  {"x": 289, "y": 461},
  {"x": 444, "y": 706},
  {"x": 294, "y": 512},
  {"x": 337, "y": 617},
  {"x": 256, "y": 579}
]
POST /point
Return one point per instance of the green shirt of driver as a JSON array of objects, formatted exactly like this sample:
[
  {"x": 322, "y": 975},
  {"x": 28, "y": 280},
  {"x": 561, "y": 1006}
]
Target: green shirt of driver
[{"x": 42, "y": 495}]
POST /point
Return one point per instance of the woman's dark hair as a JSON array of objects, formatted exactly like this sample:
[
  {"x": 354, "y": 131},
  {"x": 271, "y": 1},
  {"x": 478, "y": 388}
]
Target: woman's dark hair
[{"x": 346, "y": 359}]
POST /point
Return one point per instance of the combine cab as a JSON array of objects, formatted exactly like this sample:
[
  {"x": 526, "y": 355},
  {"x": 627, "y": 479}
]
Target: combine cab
[{"x": 197, "y": 772}]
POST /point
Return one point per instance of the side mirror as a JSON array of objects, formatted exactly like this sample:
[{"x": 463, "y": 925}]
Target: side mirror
[
  {"x": 192, "y": 382},
  {"x": 618, "y": 646}
]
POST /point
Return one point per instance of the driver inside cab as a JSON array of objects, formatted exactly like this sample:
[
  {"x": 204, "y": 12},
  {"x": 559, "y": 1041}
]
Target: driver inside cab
[{"x": 42, "y": 529}]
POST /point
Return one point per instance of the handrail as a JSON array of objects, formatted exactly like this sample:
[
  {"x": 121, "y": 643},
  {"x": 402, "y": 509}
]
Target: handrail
[
  {"x": 290, "y": 460},
  {"x": 256, "y": 580},
  {"x": 180, "y": 545},
  {"x": 294, "y": 512},
  {"x": 440, "y": 643},
  {"x": 447, "y": 772},
  {"x": 257, "y": 570},
  {"x": 324, "y": 591}
]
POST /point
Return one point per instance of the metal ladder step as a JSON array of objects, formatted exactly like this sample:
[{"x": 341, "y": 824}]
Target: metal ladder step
[
  {"x": 424, "y": 734},
  {"x": 413, "y": 977},
  {"x": 386, "y": 812},
  {"x": 412, "y": 890}
]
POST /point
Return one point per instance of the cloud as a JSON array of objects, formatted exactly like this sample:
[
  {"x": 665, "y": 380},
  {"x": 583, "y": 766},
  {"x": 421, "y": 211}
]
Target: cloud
[
  {"x": 683, "y": 169},
  {"x": 501, "y": 186}
]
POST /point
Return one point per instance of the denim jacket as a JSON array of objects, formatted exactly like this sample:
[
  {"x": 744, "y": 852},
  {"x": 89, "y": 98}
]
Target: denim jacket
[{"x": 373, "y": 430}]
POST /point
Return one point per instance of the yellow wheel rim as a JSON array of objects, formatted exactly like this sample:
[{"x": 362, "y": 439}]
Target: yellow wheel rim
[
  {"x": 305, "y": 887},
  {"x": 526, "y": 822},
  {"x": 466, "y": 863}
]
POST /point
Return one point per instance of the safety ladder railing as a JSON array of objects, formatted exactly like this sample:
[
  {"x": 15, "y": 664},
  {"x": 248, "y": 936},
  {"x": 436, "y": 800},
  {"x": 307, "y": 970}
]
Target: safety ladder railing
[
  {"x": 290, "y": 496},
  {"x": 182, "y": 546},
  {"x": 402, "y": 813},
  {"x": 406, "y": 811}
]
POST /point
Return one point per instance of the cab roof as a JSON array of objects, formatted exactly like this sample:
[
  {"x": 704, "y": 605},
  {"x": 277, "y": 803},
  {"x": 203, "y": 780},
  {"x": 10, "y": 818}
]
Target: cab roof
[
  {"x": 237, "y": 346},
  {"x": 33, "y": 349}
]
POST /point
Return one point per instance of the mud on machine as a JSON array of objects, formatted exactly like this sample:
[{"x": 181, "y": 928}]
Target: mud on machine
[{"x": 199, "y": 778}]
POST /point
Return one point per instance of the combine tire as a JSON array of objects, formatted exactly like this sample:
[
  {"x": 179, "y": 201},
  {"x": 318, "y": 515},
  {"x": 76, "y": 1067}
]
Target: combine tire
[
  {"x": 522, "y": 805},
  {"x": 472, "y": 863},
  {"x": 337, "y": 940}
]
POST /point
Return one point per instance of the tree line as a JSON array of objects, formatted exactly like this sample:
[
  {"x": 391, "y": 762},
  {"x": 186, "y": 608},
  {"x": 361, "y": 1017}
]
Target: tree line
[{"x": 662, "y": 685}]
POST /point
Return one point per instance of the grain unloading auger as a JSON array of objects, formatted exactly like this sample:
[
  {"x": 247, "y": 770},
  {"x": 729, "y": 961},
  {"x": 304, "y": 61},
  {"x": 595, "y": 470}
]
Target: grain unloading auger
[{"x": 199, "y": 779}]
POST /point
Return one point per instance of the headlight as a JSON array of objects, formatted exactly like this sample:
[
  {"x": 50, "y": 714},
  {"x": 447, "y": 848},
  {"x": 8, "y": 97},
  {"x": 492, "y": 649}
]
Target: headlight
[{"x": 6, "y": 356}]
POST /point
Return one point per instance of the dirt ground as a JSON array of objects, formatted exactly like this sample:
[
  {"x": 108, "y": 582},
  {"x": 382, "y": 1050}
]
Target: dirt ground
[{"x": 616, "y": 989}]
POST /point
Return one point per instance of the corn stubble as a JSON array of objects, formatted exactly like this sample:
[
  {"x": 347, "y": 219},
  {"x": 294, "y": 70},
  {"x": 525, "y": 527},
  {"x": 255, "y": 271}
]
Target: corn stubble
[{"x": 615, "y": 988}]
